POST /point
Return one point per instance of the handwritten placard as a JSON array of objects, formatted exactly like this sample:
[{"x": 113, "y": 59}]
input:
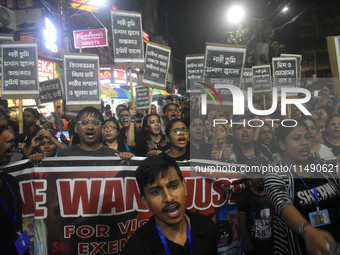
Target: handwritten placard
[
  {"x": 223, "y": 65},
  {"x": 128, "y": 48},
  {"x": 5, "y": 38},
  {"x": 299, "y": 64},
  {"x": 156, "y": 66},
  {"x": 285, "y": 72},
  {"x": 262, "y": 79},
  {"x": 81, "y": 81},
  {"x": 247, "y": 79},
  {"x": 194, "y": 72},
  {"x": 142, "y": 97},
  {"x": 20, "y": 70},
  {"x": 51, "y": 91}
]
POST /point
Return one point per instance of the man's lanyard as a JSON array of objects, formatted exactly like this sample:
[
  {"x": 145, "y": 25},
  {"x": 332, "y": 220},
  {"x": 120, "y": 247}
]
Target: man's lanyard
[
  {"x": 164, "y": 242},
  {"x": 315, "y": 194},
  {"x": 12, "y": 217}
]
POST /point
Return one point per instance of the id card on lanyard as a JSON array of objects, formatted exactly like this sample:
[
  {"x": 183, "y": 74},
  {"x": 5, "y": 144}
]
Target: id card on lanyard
[
  {"x": 23, "y": 242},
  {"x": 164, "y": 242}
]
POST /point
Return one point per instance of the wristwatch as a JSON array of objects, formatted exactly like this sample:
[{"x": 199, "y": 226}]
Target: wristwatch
[{"x": 302, "y": 228}]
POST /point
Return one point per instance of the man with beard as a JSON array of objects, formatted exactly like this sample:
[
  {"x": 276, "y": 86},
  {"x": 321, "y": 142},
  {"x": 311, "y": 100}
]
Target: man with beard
[
  {"x": 31, "y": 129},
  {"x": 10, "y": 202},
  {"x": 89, "y": 129},
  {"x": 172, "y": 229}
]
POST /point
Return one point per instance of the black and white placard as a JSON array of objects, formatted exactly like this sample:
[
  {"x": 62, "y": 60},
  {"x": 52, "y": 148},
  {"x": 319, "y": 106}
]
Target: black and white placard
[
  {"x": 247, "y": 79},
  {"x": 51, "y": 91},
  {"x": 82, "y": 86},
  {"x": 142, "y": 97},
  {"x": 157, "y": 62},
  {"x": 20, "y": 70},
  {"x": 299, "y": 64},
  {"x": 5, "y": 38},
  {"x": 285, "y": 72},
  {"x": 194, "y": 65},
  {"x": 128, "y": 48},
  {"x": 262, "y": 78},
  {"x": 223, "y": 65}
]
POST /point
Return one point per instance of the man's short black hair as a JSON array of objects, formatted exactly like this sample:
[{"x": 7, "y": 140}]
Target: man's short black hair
[
  {"x": 34, "y": 112},
  {"x": 90, "y": 110},
  {"x": 149, "y": 170},
  {"x": 4, "y": 103}
]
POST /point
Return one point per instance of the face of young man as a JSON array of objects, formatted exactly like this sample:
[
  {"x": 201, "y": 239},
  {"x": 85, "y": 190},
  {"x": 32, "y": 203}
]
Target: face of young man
[
  {"x": 166, "y": 199},
  {"x": 90, "y": 133},
  {"x": 29, "y": 119}
]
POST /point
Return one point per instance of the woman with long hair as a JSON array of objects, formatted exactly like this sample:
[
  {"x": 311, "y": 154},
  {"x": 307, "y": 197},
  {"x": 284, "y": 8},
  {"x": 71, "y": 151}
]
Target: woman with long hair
[
  {"x": 332, "y": 134},
  {"x": 110, "y": 133},
  {"x": 305, "y": 194},
  {"x": 156, "y": 141},
  {"x": 244, "y": 147}
]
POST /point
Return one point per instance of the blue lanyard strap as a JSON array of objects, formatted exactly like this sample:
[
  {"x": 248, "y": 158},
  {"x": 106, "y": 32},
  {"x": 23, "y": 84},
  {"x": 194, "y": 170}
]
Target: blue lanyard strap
[
  {"x": 164, "y": 242},
  {"x": 315, "y": 194},
  {"x": 12, "y": 217}
]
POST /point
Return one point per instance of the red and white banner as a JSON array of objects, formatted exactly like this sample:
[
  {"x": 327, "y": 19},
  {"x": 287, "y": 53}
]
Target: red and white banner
[
  {"x": 92, "y": 38},
  {"x": 81, "y": 206}
]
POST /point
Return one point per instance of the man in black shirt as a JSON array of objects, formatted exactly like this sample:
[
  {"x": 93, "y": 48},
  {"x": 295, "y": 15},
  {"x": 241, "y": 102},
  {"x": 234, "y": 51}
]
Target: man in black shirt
[{"x": 172, "y": 229}]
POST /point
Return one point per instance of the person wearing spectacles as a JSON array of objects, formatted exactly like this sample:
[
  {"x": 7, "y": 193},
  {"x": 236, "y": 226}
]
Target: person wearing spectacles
[
  {"x": 110, "y": 133},
  {"x": 129, "y": 138},
  {"x": 89, "y": 129},
  {"x": 178, "y": 136}
]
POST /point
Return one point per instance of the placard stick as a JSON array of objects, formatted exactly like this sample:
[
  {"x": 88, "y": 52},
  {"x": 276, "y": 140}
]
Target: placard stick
[
  {"x": 21, "y": 121},
  {"x": 131, "y": 86},
  {"x": 214, "y": 140},
  {"x": 264, "y": 102},
  {"x": 150, "y": 103},
  {"x": 80, "y": 48},
  {"x": 199, "y": 108}
]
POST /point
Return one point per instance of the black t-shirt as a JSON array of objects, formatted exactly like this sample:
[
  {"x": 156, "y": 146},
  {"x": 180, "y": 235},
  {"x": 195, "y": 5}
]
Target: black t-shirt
[
  {"x": 146, "y": 240},
  {"x": 75, "y": 150},
  {"x": 259, "y": 219},
  {"x": 204, "y": 152},
  {"x": 140, "y": 147},
  {"x": 334, "y": 148}
]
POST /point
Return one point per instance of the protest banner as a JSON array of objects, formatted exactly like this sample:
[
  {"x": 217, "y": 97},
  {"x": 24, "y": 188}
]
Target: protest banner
[
  {"x": 128, "y": 48},
  {"x": 223, "y": 65},
  {"x": 262, "y": 81},
  {"x": 20, "y": 70},
  {"x": 51, "y": 91},
  {"x": 82, "y": 205},
  {"x": 142, "y": 97},
  {"x": 194, "y": 72},
  {"x": 299, "y": 64},
  {"x": 156, "y": 66},
  {"x": 285, "y": 72},
  {"x": 82, "y": 86}
]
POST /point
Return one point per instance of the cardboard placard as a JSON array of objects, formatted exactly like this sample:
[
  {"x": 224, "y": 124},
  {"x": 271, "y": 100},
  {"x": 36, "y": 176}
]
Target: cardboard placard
[
  {"x": 262, "y": 80},
  {"x": 51, "y": 91},
  {"x": 156, "y": 66},
  {"x": 194, "y": 65},
  {"x": 142, "y": 97},
  {"x": 128, "y": 48},
  {"x": 5, "y": 38},
  {"x": 299, "y": 64},
  {"x": 333, "y": 45},
  {"x": 82, "y": 86},
  {"x": 285, "y": 73},
  {"x": 20, "y": 70},
  {"x": 223, "y": 65},
  {"x": 247, "y": 79}
]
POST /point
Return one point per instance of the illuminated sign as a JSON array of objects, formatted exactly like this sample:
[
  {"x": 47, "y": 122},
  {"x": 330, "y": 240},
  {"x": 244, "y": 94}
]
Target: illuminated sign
[
  {"x": 50, "y": 35},
  {"x": 92, "y": 38},
  {"x": 120, "y": 76},
  {"x": 84, "y": 5},
  {"x": 47, "y": 70}
]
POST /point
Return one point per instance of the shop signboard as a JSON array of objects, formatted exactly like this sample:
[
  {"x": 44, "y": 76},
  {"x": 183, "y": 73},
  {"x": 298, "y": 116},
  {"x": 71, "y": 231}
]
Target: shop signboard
[
  {"x": 20, "y": 70},
  {"x": 91, "y": 38},
  {"x": 82, "y": 87},
  {"x": 128, "y": 47}
]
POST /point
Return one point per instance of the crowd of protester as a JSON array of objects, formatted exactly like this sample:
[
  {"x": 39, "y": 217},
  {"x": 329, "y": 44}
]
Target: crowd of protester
[{"x": 176, "y": 128}]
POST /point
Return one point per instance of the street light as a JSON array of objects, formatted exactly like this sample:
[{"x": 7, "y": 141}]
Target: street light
[
  {"x": 235, "y": 14},
  {"x": 285, "y": 9}
]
